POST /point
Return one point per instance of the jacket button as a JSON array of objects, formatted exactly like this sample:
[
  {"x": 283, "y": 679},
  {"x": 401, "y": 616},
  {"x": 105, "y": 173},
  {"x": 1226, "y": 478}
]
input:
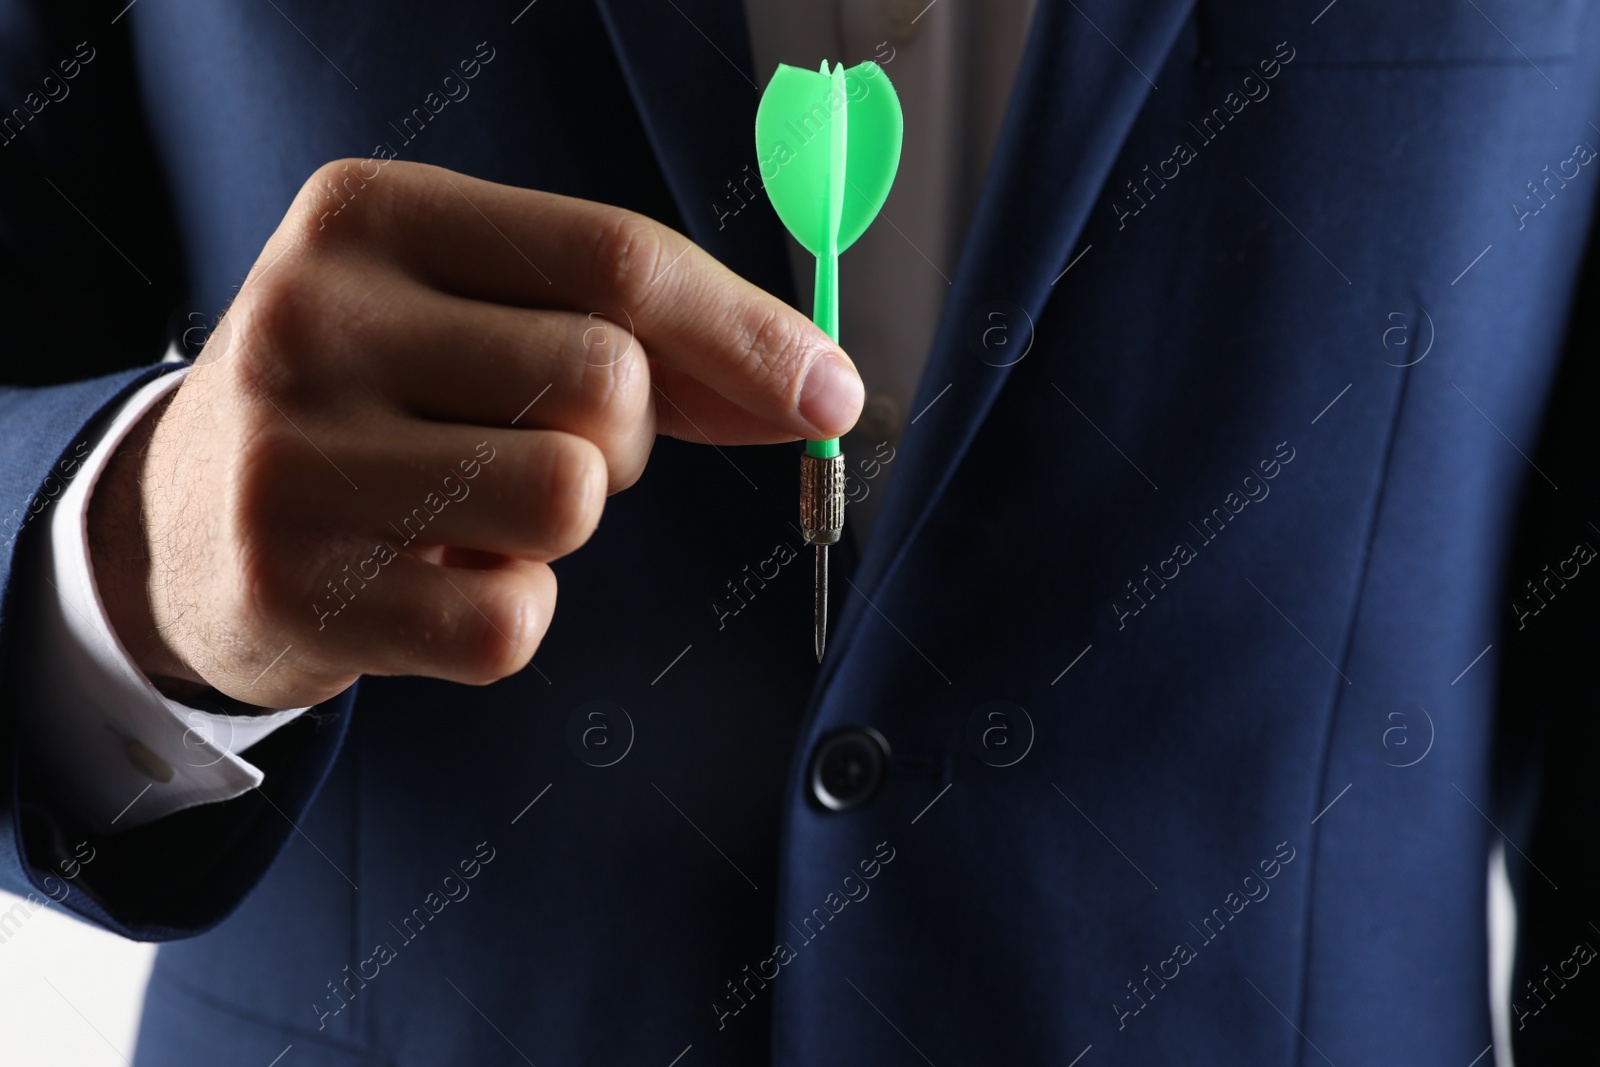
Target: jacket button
[{"x": 848, "y": 768}]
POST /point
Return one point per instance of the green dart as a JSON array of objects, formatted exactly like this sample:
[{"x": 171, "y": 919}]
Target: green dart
[{"x": 829, "y": 145}]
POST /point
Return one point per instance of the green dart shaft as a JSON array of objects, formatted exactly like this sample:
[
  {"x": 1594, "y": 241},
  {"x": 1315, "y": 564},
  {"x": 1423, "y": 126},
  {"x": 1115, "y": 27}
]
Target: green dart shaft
[
  {"x": 825, "y": 313},
  {"x": 825, "y": 302}
]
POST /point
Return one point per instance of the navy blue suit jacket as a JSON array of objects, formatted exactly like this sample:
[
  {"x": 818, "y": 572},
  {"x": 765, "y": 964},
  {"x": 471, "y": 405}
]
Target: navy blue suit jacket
[{"x": 1190, "y": 616}]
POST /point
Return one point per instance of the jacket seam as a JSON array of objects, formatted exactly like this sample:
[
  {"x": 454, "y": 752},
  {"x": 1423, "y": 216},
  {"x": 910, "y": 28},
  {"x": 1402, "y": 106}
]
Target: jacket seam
[
  {"x": 1314, "y": 851},
  {"x": 276, "y": 1025}
]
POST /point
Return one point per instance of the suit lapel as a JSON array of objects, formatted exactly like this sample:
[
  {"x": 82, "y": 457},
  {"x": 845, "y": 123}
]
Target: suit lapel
[
  {"x": 688, "y": 66},
  {"x": 1076, "y": 97}
]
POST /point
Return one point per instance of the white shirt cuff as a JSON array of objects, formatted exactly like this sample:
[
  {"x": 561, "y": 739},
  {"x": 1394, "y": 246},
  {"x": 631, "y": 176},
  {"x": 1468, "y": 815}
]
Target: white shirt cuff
[{"x": 102, "y": 737}]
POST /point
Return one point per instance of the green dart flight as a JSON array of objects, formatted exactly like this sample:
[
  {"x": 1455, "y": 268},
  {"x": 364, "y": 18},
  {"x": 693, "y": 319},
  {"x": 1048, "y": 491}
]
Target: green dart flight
[{"x": 829, "y": 145}]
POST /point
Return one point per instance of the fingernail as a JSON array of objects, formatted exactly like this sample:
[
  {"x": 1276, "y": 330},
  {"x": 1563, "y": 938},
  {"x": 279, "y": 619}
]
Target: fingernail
[{"x": 831, "y": 396}]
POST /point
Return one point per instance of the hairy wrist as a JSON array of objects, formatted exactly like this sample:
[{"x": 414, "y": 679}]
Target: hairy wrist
[{"x": 119, "y": 556}]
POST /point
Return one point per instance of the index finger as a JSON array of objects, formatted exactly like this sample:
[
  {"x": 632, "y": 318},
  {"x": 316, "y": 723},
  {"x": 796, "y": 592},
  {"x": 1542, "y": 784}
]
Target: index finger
[{"x": 535, "y": 249}]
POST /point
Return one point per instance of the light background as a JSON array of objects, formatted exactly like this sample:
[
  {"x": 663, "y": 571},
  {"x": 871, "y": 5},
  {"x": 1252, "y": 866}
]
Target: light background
[{"x": 93, "y": 972}]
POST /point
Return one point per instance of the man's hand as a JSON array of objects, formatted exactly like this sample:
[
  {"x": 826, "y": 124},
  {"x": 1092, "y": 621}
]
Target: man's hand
[{"x": 422, "y": 393}]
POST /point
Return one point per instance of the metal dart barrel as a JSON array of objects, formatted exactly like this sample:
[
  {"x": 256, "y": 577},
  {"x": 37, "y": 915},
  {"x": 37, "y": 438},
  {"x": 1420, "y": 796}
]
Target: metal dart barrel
[{"x": 822, "y": 524}]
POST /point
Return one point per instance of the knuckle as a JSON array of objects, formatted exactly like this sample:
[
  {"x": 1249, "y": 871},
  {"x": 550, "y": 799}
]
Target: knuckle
[
  {"x": 279, "y": 316},
  {"x": 626, "y": 256},
  {"x": 492, "y": 645},
  {"x": 408, "y": 194},
  {"x": 337, "y": 190},
  {"x": 628, "y": 467},
  {"x": 776, "y": 347},
  {"x": 576, "y": 494},
  {"x": 266, "y": 591},
  {"x": 302, "y": 331},
  {"x": 264, "y": 516},
  {"x": 270, "y": 587},
  {"x": 313, "y": 332},
  {"x": 614, "y": 393},
  {"x": 602, "y": 341},
  {"x": 629, "y": 422}
]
